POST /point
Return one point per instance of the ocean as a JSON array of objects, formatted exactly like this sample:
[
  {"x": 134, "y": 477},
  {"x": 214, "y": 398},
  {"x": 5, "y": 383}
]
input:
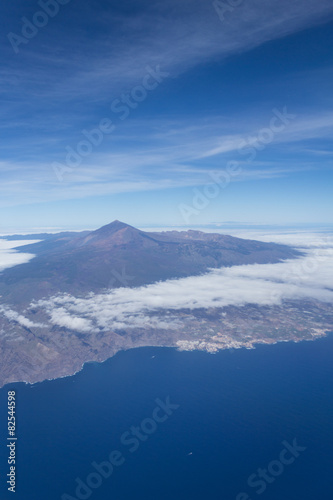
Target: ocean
[{"x": 155, "y": 423}]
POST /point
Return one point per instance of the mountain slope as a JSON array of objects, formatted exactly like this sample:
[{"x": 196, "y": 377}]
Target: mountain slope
[{"x": 120, "y": 255}]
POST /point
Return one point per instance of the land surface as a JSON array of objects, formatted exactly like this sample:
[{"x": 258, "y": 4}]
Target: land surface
[{"x": 32, "y": 348}]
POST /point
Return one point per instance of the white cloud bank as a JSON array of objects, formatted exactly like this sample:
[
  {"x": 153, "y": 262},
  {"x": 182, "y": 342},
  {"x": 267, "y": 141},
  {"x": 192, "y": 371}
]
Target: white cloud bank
[
  {"x": 18, "y": 318},
  {"x": 10, "y": 257},
  {"x": 308, "y": 277}
]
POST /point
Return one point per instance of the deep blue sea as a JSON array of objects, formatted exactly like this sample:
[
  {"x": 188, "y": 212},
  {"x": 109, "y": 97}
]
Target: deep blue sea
[{"x": 237, "y": 410}]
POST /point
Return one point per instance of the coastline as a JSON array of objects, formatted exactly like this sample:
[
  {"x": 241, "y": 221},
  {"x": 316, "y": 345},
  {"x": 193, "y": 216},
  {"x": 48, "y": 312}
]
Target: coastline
[{"x": 225, "y": 348}]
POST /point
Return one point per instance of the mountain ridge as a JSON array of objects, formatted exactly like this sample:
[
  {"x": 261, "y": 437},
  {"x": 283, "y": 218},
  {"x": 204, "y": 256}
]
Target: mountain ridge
[{"x": 92, "y": 261}]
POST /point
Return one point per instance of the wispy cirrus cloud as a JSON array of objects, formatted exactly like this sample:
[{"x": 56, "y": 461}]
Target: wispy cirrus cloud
[
  {"x": 178, "y": 156},
  {"x": 58, "y": 86},
  {"x": 177, "y": 35}
]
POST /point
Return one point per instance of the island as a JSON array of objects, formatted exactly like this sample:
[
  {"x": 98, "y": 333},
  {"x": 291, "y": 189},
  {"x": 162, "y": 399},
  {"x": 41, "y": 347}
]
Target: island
[{"x": 85, "y": 296}]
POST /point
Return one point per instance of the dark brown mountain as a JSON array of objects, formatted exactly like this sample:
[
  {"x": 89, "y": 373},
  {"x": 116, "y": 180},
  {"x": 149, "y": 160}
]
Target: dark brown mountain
[{"x": 120, "y": 255}]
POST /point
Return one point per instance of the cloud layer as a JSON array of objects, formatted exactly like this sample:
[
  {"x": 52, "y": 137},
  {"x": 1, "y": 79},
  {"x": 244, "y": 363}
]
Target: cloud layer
[
  {"x": 156, "y": 305},
  {"x": 10, "y": 257},
  {"x": 15, "y": 317},
  {"x": 59, "y": 86}
]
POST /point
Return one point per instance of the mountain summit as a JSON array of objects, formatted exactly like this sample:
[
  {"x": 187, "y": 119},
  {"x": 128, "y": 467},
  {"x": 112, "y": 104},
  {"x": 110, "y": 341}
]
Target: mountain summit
[
  {"x": 90, "y": 261},
  {"x": 112, "y": 234},
  {"x": 114, "y": 226}
]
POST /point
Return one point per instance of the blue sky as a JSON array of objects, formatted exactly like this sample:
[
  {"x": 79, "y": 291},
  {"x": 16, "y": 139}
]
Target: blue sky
[{"x": 203, "y": 117}]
